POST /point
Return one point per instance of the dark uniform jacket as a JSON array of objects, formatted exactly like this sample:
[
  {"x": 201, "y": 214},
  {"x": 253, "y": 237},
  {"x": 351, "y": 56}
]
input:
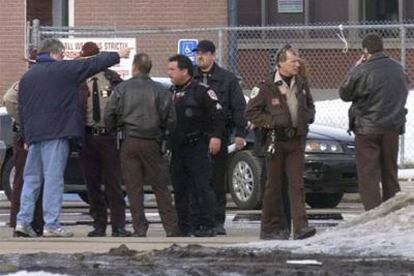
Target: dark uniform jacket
[
  {"x": 268, "y": 107},
  {"x": 378, "y": 89},
  {"x": 48, "y": 96},
  {"x": 199, "y": 114},
  {"x": 142, "y": 108},
  {"x": 230, "y": 96}
]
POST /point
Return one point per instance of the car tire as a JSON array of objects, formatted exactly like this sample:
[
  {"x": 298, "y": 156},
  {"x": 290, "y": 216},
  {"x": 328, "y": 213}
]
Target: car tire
[
  {"x": 244, "y": 180},
  {"x": 84, "y": 197},
  {"x": 7, "y": 177},
  {"x": 319, "y": 200}
]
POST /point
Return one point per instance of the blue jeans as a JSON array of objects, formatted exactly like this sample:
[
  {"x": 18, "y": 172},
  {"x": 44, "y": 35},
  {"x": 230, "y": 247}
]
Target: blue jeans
[{"x": 46, "y": 162}]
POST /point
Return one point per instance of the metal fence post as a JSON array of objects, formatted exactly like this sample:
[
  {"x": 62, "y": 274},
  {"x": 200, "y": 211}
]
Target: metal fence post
[
  {"x": 35, "y": 37},
  {"x": 220, "y": 48},
  {"x": 403, "y": 61}
]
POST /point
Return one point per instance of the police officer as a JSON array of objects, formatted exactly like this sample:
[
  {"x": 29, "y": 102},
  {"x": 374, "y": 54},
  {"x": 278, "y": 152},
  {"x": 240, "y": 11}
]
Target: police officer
[
  {"x": 200, "y": 124},
  {"x": 144, "y": 110},
  {"x": 284, "y": 107},
  {"x": 231, "y": 98},
  {"x": 99, "y": 157}
]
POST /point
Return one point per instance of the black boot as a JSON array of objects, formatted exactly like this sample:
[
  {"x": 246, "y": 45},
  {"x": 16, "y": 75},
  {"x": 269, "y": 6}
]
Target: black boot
[
  {"x": 304, "y": 232},
  {"x": 120, "y": 232},
  {"x": 97, "y": 232}
]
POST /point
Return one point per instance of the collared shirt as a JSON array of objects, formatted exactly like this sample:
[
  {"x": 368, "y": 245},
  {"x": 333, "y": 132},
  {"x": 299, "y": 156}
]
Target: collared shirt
[{"x": 290, "y": 93}]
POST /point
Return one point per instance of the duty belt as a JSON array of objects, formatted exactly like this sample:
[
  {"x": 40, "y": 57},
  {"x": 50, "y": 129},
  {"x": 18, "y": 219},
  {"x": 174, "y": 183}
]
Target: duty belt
[
  {"x": 96, "y": 131},
  {"x": 286, "y": 133}
]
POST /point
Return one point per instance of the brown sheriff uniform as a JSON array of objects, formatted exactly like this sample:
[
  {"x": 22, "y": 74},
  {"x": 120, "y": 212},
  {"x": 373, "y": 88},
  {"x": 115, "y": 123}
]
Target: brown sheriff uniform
[
  {"x": 99, "y": 157},
  {"x": 285, "y": 111}
]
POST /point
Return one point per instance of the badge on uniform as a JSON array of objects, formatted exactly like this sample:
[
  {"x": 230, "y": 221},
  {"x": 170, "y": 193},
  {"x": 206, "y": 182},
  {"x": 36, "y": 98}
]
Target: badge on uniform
[
  {"x": 255, "y": 92},
  {"x": 275, "y": 101},
  {"x": 212, "y": 94}
]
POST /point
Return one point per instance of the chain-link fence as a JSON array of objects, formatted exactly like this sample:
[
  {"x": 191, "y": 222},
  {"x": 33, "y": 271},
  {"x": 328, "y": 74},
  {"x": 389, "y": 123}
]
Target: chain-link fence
[{"x": 249, "y": 52}]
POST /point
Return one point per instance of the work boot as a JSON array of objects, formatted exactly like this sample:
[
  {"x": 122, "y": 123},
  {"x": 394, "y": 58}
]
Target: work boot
[
  {"x": 97, "y": 232},
  {"x": 120, "y": 232},
  {"x": 220, "y": 230},
  {"x": 56, "y": 233},
  {"x": 278, "y": 235},
  {"x": 304, "y": 232},
  {"x": 24, "y": 231}
]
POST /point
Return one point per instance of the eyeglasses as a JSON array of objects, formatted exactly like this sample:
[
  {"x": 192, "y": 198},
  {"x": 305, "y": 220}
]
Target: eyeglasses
[{"x": 283, "y": 50}]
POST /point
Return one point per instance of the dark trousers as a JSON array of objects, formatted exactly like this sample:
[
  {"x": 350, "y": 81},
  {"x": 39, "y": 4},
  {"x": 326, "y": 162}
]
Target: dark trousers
[
  {"x": 218, "y": 182},
  {"x": 376, "y": 156},
  {"x": 141, "y": 161},
  {"x": 100, "y": 165},
  {"x": 19, "y": 159},
  {"x": 194, "y": 198},
  {"x": 289, "y": 159}
]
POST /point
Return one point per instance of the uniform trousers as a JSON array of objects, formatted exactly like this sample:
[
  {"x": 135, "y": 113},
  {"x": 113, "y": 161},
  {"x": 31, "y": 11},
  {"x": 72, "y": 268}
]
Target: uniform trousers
[
  {"x": 142, "y": 162},
  {"x": 289, "y": 160},
  {"x": 376, "y": 156},
  {"x": 194, "y": 198},
  {"x": 100, "y": 165},
  {"x": 19, "y": 160}
]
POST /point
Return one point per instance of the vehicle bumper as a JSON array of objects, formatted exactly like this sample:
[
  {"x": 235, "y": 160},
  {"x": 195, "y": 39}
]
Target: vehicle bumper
[{"x": 330, "y": 173}]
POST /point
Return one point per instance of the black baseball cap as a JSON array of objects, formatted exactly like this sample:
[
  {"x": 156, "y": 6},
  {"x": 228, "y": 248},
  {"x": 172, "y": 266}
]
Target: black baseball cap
[{"x": 205, "y": 46}]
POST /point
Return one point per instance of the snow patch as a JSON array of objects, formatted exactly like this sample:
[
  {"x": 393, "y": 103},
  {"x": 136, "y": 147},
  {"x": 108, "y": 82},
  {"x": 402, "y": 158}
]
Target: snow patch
[{"x": 387, "y": 230}]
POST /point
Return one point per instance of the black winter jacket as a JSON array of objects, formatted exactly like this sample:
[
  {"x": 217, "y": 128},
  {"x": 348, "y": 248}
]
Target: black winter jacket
[
  {"x": 230, "y": 96},
  {"x": 142, "y": 107},
  {"x": 378, "y": 90}
]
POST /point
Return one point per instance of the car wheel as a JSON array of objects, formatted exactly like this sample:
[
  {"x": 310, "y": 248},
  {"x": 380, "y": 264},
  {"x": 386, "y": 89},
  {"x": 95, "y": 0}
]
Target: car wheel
[
  {"x": 84, "y": 197},
  {"x": 7, "y": 177},
  {"x": 318, "y": 200},
  {"x": 244, "y": 173}
]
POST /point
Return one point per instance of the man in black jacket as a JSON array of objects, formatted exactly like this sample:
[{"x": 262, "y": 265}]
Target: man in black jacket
[
  {"x": 143, "y": 109},
  {"x": 231, "y": 98},
  {"x": 378, "y": 90}
]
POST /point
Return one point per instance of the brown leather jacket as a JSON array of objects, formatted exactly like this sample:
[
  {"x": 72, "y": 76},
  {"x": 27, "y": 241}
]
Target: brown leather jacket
[{"x": 268, "y": 107}]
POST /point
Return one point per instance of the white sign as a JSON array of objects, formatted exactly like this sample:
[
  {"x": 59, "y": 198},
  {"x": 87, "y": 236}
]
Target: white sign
[{"x": 73, "y": 47}]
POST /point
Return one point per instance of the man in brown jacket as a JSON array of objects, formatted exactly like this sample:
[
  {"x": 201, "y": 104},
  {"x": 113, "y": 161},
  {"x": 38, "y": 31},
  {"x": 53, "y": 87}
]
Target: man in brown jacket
[{"x": 283, "y": 108}]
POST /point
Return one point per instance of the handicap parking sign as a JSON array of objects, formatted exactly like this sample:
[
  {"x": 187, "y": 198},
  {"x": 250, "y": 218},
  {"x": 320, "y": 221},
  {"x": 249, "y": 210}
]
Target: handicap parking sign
[{"x": 186, "y": 46}]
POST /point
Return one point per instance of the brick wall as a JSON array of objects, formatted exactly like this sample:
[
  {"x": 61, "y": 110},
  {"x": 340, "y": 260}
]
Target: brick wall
[
  {"x": 148, "y": 13},
  {"x": 12, "y": 35}
]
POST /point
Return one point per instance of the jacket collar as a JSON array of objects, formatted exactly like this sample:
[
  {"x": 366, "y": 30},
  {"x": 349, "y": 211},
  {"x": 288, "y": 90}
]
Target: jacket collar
[
  {"x": 44, "y": 57},
  {"x": 213, "y": 73},
  {"x": 376, "y": 56}
]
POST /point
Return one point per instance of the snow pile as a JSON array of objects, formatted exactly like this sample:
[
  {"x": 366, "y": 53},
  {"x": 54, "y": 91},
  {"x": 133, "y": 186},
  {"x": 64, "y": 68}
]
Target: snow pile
[
  {"x": 387, "y": 230},
  {"x": 35, "y": 273}
]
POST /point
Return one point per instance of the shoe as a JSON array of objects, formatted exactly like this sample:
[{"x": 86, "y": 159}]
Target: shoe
[
  {"x": 97, "y": 232},
  {"x": 205, "y": 232},
  {"x": 24, "y": 231},
  {"x": 220, "y": 230},
  {"x": 176, "y": 233},
  {"x": 280, "y": 235},
  {"x": 140, "y": 232},
  {"x": 57, "y": 233},
  {"x": 304, "y": 232},
  {"x": 120, "y": 232}
]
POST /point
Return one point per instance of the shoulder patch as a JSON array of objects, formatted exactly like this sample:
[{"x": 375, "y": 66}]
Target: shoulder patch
[
  {"x": 212, "y": 94},
  {"x": 255, "y": 92}
]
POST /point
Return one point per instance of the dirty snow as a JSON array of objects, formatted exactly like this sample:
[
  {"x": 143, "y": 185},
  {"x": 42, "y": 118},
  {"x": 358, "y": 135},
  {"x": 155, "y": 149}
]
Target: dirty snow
[
  {"x": 35, "y": 273},
  {"x": 387, "y": 230}
]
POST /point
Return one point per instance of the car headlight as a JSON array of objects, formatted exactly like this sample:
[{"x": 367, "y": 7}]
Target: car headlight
[{"x": 323, "y": 146}]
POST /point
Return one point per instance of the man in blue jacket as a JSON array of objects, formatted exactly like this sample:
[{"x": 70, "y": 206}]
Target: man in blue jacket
[{"x": 50, "y": 117}]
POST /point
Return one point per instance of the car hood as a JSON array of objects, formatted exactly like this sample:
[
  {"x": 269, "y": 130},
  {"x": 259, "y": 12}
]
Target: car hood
[{"x": 322, "y": 132}]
